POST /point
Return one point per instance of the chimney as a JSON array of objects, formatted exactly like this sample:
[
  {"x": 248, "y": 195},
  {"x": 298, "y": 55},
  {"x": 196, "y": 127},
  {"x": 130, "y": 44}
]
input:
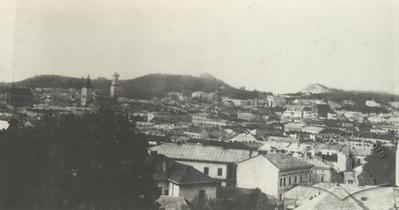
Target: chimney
[{"x": 164, "y": 166}]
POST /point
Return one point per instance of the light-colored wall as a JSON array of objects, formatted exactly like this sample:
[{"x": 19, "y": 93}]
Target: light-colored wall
[
  {"x": 189, "y": 192},
  {"x": 174, "y": 189},
  {"x": 213, "y": 168},
  {"x": 258, "y": 172},
  {"x": 164, "y": 186}
]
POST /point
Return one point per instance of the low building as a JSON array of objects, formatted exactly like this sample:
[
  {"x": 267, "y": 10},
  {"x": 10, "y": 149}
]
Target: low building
[
  {"x": 203, "y": 119},
  {"x": 215, "y": 161},
  {"x": 274, "y": 174},
  {"x": 247, "y": 116},
  {"x": 336, "y": 154},
  {"x": 179, "y": 180},
  {"x": 196, "y": 133},
  {"x": 321, "y": 171}
]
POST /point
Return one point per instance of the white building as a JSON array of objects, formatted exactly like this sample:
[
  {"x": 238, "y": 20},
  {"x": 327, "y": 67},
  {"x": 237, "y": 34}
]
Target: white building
[
  {"x": 273, "y": 173},
  {"x": 204, "y": 120},
  {"x": 215, "y": 161}
]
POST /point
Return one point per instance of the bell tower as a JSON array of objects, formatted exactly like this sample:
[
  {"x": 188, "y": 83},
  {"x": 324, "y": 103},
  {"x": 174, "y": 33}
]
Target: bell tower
[
  {"x": 114, "y": 91},
  {"x": 87, "y": 93}
]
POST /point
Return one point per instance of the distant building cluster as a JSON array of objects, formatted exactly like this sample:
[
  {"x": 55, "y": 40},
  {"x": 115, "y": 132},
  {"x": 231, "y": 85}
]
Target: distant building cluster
[{"x": 297, "y": 149}]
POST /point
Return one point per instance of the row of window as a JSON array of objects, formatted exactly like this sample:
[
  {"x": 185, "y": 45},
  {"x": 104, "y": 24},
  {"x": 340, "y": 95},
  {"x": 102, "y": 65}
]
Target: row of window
[
  {"x": 292, "y": 180},
  {"x": 206, "y": 171}
]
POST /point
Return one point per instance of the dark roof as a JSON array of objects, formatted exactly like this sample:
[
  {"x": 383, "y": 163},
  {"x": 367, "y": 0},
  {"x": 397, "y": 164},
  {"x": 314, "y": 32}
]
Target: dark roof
[
  {"x": 286, "y": 162},
  {"x": 178, "y": 172}
]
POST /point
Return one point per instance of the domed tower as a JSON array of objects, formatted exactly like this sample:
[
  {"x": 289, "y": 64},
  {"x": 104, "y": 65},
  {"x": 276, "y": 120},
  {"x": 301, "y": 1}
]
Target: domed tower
[
  {"x": 87, "y": 93},
  {"x": 114, "y": 91}
]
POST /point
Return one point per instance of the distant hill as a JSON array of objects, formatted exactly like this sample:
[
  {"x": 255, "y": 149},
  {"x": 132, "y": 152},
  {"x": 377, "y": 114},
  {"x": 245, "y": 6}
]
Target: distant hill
[
  {"x": 145, "y": 87},
  {"x": 316, "y": 89},
  {"x": 323, "y": 92}
]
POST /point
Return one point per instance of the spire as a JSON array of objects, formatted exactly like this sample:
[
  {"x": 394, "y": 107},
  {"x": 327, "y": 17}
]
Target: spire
[{"x": 88, "y": 82}]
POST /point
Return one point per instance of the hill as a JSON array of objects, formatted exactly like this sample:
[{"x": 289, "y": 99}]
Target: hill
[
  {"x": 316, "y": 89},
  {"x": 145, "y": 87}
]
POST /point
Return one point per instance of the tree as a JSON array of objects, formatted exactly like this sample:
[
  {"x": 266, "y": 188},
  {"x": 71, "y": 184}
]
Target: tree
[
  {"x": 235, "y": 200},
  {"x": 71, "y": 162},
  {"x": 381, "y": 165}
]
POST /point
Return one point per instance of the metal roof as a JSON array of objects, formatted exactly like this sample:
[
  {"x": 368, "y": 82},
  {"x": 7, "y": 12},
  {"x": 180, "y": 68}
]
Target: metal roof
[{"x": 199, "y": 152}]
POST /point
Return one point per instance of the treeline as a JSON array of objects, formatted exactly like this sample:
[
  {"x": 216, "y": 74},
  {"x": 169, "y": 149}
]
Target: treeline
[{"x": 70, "y": 162}]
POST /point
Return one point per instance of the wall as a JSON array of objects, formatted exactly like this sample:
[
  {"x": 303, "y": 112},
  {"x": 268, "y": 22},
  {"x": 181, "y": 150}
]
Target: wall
[
  {"x": 213, "y": 168},
  {"x": 258, "y": 172},
  {"x": 174, "y": 189},
  {"x": 189, "y": 192},
  {"x": 164, "y": 186}
]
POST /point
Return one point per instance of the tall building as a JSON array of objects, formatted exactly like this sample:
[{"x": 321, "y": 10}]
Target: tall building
[
  {"x": 114, "y": 92},
  {"x": 87, "y": 93}
]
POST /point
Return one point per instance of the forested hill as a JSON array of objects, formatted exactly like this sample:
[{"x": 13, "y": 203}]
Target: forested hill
[{"x": 145, "y": 87}]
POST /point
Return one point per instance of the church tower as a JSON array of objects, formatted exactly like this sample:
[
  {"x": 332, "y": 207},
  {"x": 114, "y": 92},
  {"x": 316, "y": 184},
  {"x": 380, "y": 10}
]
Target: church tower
[
  {"x": 87, "y": 93},
  {"x": 114, "y": 91}
]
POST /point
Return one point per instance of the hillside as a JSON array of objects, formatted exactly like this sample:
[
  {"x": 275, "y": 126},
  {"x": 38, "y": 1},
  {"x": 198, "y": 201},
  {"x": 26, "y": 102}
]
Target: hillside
[
  {"x": 316, "y": 89},
  {"x": 145, "y": 87}
]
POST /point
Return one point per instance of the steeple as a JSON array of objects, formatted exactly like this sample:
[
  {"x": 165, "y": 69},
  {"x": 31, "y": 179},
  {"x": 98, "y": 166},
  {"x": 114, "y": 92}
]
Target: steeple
[
  {"x": 114, "y": 91},
  {"x": 88, "y": 82}
]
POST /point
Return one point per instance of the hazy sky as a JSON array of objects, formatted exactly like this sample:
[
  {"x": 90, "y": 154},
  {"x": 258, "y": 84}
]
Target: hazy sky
[{"x": 272, "y": 45}]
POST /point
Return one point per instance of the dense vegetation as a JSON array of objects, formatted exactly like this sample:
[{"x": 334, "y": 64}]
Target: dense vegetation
[
  {"x": 70, "y": 162},
  {"x": 234, "y": 199},
  {"x": 381, "y": 166}
]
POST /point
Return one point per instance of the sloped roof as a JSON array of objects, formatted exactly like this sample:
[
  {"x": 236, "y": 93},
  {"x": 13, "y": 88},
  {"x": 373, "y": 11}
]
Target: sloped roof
[
  {"x": 286, "y": 162},
  {"x": 343, "y": 196},
  {"x": 199, "y": 152},
  {"x": 244, "y": 137},
  {"x": 184, "y": 174},
  {"x": 178, "y": 173}
]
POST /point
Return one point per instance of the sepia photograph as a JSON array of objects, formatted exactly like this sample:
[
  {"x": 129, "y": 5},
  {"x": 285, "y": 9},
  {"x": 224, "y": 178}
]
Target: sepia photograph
[{"x": 199, "y": 105}]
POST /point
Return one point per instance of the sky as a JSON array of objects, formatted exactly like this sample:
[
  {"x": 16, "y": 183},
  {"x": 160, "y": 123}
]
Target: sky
[{"x": 269, "y": 45}]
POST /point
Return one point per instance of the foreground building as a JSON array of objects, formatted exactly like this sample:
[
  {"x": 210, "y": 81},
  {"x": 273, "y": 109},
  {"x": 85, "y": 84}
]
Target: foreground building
[
  {"x": 274, "y": 174},
  {"x": 329, "y": 196},
  {"x": 178, "y": 180},
  {"x": 214, "y": 161}
]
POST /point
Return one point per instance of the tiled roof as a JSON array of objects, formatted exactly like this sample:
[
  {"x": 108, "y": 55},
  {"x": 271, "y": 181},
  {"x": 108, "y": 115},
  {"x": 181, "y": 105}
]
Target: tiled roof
[
  {"x": 198, "y": 152},
  {"x": 286, "y": 162}
]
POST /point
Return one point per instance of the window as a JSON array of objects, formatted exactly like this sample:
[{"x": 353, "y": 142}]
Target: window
[
  {"x": 281, "y": 181},
  {"x": 201, "y": 194},
  {"x": 166, "y": 192},
  {"x": 206, "y": 170},
  {"x": 220, "y": 171},
  {"x": 289, "y": 180},
  {"x": 296, "y": 179},
  {"x": 322, "y": 178},
  {"x": 284, "y": 181}
]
